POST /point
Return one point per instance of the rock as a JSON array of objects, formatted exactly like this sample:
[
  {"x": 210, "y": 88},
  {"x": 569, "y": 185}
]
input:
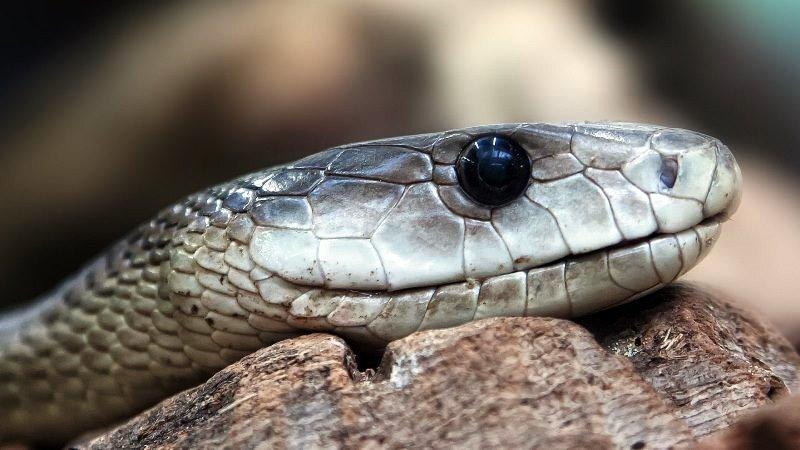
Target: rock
[
  {"x": 658, "y": 373},
  {"x": 776, "y": 427}
]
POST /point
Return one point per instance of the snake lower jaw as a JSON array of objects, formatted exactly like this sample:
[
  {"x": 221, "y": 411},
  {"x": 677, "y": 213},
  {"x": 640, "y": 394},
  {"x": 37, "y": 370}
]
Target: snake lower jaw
[{"x": 569, "y": 287}]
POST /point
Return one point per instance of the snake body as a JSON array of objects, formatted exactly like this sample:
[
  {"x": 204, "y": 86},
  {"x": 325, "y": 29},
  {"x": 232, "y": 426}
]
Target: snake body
[{"x": 371, "y": 241}]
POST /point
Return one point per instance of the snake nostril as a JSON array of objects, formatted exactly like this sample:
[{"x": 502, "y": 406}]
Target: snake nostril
[{"x": 668, "y": 172}]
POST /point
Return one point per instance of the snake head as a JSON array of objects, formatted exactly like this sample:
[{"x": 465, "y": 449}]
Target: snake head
[
  {"x": 417, "y": 211},
  {"x": 608, "y": 211}
]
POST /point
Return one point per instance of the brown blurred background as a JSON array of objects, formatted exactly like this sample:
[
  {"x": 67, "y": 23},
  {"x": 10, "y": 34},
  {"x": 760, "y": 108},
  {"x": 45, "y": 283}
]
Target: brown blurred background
[{"x": 110, "y": 111}]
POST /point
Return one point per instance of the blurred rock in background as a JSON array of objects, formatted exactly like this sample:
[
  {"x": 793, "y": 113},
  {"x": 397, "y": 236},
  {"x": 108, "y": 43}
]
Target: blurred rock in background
[{"x": 109, "y": 113}]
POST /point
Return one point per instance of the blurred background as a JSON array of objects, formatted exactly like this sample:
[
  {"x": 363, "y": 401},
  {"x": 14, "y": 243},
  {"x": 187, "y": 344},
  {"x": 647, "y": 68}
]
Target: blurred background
[{"x": 109, "y": 111}]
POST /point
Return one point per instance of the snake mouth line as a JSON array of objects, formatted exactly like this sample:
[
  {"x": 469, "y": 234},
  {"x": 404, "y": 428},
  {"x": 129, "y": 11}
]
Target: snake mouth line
[
  {"x": 569, "y": 287},
  {"x": 630, "y": 269},
  {"x": 714, "y": 220},
  {"x": 573, "y": 286},
  {"x": 710, "y": 222}
]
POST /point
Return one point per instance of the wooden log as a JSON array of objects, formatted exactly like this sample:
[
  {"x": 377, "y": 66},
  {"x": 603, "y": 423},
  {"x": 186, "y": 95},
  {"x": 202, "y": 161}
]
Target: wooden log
[
  {"x": 658, "y": 373},
  {"x": 775, "y": 427},
  {"x": 711, "y": 359}
]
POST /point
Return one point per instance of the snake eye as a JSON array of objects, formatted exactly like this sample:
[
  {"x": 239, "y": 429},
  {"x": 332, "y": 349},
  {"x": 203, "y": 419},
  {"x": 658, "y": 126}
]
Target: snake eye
[{"x": 493, "y": 170}]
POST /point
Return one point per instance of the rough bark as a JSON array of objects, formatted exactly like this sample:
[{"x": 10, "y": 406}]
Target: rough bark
[
  {"x": 710, "y": 359},
  {"x": 776, "y": 427},
  {"x": 656, "y": 374}
]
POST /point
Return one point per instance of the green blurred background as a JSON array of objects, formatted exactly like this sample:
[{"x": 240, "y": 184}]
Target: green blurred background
[{"x": 111, "y": 110}]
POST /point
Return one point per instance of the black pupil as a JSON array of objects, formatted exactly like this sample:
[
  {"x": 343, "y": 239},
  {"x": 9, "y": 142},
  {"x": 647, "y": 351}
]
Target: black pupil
[{"x": 493, "y": 170}]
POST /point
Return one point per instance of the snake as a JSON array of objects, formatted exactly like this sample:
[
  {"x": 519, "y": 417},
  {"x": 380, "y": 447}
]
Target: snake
[{"x": 371, "y": 241}]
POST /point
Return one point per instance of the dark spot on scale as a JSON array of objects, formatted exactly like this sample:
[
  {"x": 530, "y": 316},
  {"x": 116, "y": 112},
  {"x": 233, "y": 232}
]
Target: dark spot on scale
[
  {"x": 210, "y": 321},
  {"x": 668, "y": 173},
  {"x": 194, "y": 309}
]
